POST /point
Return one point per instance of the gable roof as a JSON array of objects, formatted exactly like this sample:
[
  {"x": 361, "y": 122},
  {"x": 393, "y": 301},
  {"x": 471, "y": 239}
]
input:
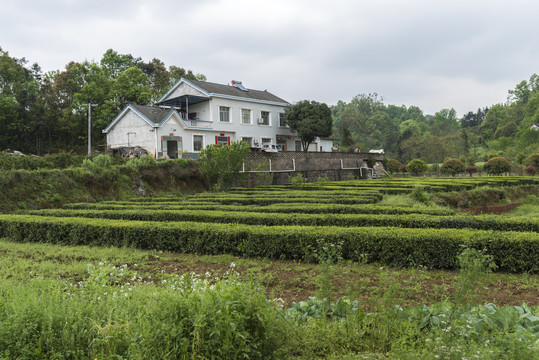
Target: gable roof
[
  {"x": 154, "y": 116},
  {"x": 227, "y": 91}
]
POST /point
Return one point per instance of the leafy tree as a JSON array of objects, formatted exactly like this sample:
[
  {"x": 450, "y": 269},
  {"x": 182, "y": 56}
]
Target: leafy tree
[
  {"x": 310, "y": 119},
  {"x": 452, "y": 167},
  {"x": 392, "y": 165},
  {"x": 222, "y": 164},
  {"x": 497, "y": 166},
  {"x": 417, "y": 167},
  {"x": 131, "y": 87}
]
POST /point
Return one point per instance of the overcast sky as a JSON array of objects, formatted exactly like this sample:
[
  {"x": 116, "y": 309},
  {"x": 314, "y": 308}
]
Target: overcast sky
[{"x": 435, "y": 54}]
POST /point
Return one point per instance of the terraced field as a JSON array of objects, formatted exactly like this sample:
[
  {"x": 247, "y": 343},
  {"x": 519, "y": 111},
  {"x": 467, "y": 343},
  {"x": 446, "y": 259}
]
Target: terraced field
[{"x": 281, "y": 222}]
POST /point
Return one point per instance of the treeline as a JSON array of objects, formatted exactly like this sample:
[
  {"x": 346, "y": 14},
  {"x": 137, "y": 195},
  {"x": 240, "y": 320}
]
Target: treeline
[
  {"x": 48, "y": 112},
  {"x": 407, "y": 133}
]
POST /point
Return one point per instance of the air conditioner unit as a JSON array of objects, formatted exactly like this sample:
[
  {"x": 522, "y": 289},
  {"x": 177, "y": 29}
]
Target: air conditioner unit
[{"x": 260, "y": 120}]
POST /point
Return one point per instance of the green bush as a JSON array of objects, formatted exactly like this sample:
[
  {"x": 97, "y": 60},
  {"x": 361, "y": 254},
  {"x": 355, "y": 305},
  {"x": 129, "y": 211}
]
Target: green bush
[
  {"x": 392, "y": 165},
  {"x": 484, "y": 222},
  {"x": 222, "y": 164},
  {"x": 434, "y": 248},
  {"x": 417, "y": 167},
  {"x": 497, "y": 166},
  {"x": 297, "y": 181},
  {"x": 452, "y": 167}
]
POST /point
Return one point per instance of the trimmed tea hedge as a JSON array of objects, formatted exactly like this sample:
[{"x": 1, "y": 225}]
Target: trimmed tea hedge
[
  {"x": 281, "y": 208},
  {"x": 485, "y": 222},
  {"x": 434, "y": 248}
]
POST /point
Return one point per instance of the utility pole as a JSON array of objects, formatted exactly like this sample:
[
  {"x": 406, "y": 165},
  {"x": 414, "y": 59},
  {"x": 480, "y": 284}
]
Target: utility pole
[{"x": 90, "y": 128}]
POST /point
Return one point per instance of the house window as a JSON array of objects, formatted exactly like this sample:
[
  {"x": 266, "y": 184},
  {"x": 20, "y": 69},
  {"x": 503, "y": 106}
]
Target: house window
[
  {"x": 221, "y": 140},
  {"x": 265, "y": 118},
  {"x": 248, "y": 140},
  {"x": 266, "y": 141},
  {"x": 245, "y": 116},
  {"x": 282, "y": 122},
  {"x": 198, "y": 142},
  {"x": 224, "y": 114}
]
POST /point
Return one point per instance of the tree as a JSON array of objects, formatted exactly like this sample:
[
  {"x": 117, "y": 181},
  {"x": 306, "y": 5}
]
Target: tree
[
  {"x": 452, "y": 167},
  {"x": 310, "y": 119},
  {"x": 497, "y": 166},
  {"x": 393, "y": 165},
  {"x": 417, "y": 166},
  {"x": 222, "y": 164}
]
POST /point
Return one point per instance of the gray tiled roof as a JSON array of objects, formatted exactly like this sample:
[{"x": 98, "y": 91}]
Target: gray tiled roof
[
  {"x": 230, "y": 90},
  {"x": 154, "y": 114}
]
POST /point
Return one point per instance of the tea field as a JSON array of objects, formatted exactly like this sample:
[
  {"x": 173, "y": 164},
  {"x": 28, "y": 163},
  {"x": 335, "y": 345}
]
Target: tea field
[{"x": 336, "y": 270}]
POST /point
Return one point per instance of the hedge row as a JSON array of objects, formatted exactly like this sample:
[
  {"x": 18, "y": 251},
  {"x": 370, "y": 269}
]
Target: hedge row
[
  {"x": 434, "y": 248},
  {"x": 265, "y": 200},
  {"x": 281, "y": 208},
  {"x": 484, "y": 222}
]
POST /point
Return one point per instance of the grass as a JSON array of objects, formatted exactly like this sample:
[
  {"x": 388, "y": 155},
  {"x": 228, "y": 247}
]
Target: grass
[{"x": 289, "y": 280}]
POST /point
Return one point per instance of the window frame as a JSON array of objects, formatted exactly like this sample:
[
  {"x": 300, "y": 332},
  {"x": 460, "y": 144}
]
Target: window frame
[
  {"x": 193, "y": 138},
  {"x": 222, "y": 113},
  {"x": 262, "y": 112},
  {"x": 250, "y": 116}
]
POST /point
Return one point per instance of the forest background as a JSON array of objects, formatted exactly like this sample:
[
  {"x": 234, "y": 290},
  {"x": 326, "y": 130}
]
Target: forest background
[{"x": 44, "y": 113}]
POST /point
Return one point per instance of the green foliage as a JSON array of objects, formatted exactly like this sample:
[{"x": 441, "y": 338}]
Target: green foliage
[
  {"x": 222, "y": 164},
  {"x": 452, "y": 167},
  {"x": 298, "y": 181},
  {"x": 41, "y": 113},
  {"x": 310, "y": 119},
  {"x": 137, "y": 164},
  {"x": 417, "y": 167},
  {"x": 497, "y": 166},
  {"x": 435, "y": 248},
  {"x": 97, "y": 164},
  {"x": 112, "y": 313},
  {"x": 420, "y": 195},
  {"x": 392, "y": 165}
]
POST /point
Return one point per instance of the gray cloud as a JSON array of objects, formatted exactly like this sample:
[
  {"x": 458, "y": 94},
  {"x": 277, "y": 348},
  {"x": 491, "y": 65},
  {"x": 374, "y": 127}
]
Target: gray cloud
[{"x": 432, "y": 54}]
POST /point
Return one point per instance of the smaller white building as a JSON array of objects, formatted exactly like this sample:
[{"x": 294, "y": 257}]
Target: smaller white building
[{"x": 193, "y": 114}]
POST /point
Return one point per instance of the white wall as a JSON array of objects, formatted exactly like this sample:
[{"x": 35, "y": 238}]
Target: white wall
[{"x": 139, "y": 133}]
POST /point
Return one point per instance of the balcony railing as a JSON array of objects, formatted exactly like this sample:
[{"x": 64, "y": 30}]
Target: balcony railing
[{"x": 191, "y": 123}]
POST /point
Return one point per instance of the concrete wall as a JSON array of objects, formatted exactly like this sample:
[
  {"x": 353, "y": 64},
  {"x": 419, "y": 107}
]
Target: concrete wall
[{"x": 336, "y": 166}]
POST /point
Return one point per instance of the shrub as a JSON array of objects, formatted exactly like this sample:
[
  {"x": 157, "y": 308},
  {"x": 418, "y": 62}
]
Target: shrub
[
  {"x": 392, "y": 165},
  {"x": 417, "y": 166},
  {"x": 145, "y": 161},
  {"x": 99, "y": 163},
  {"x": 222, "y": 164},
  {"x": 497, "y": 166},
  {"x": 402, "y": 168},
  {"x": 298, "y": 181},
  {"x": 531, "y": 170},
  {"x": 533, "y": 160},
  {"x": 452, "y": 167}
]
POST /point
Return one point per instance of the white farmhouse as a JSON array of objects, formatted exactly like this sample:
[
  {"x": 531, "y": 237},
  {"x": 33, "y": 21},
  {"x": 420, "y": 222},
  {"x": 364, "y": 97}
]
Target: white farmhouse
[{"x": 193, "y": 114}]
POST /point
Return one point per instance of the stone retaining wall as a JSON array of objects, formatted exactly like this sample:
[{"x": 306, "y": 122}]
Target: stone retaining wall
[{"x": 334, "y": 166}]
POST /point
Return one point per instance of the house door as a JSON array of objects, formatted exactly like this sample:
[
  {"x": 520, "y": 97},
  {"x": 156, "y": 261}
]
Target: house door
[
  {"x": 298, "y": 145},
  {"x": 172, "y": 149}
]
